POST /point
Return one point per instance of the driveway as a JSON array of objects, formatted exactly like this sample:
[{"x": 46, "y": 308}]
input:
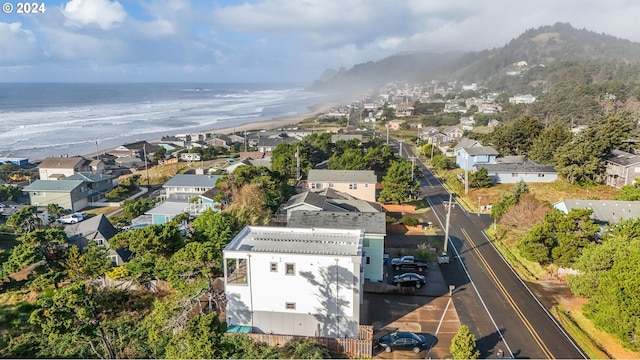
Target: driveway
[{"x": 428, "y": 311}]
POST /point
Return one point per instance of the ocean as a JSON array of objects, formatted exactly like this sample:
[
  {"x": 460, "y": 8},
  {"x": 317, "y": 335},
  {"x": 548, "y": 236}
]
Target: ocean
[{"x": 38, "y": 120}]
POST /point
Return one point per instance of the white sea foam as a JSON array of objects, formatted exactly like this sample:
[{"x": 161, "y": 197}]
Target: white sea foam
[{"x": 69, "y": 128}]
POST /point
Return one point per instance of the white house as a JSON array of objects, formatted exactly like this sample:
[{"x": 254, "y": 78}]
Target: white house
[{"x": 294, "y": 281}]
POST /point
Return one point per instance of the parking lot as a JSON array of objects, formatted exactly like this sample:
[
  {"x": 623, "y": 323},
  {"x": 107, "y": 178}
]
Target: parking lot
[{"x": 427, "y": 311}]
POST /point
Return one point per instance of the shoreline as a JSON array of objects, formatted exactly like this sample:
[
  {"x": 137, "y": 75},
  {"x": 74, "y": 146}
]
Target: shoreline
[{"x": 274, "y": 123}]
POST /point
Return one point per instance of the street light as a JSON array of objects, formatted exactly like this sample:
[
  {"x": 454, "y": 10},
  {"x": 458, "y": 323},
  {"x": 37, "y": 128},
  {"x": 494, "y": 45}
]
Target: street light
[{"x": 479, "y": 208}]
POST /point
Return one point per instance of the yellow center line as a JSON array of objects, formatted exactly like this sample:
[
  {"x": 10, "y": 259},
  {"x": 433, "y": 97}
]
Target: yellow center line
[{"x": 526, "y": 322}]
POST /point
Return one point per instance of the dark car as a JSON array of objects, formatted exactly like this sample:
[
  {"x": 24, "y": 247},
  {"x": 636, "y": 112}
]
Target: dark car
[
  {"x": 403, "y": 340},
  {"x": 409, "y": 279}
]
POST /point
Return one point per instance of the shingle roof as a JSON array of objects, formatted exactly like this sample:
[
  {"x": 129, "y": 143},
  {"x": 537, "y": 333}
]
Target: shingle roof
[
  {"x": 481, "y": 150},
  {"x": 90, "y": 177},
  {"x": 307, "y": 197},
  {"x": 53, "y": 185},
  {"x": 622, "y": 158},
  {"x": 61, "y": 162},
  {"x": 192, "y": 180},
  {"x": 527, "y": 167},
  {"x": 358, "y": 176},
  {"x": 608, "y": 211},
  {"x": 371, "y": 222}
]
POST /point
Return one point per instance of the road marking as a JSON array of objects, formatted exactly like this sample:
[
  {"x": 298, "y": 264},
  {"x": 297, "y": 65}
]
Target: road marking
[
  {"x": 504, "y": 291},
  {"x": 443, "y": 314}
]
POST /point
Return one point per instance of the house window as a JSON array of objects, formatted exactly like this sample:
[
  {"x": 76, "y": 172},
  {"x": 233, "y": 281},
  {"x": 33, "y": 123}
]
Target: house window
[
  {"x": 365, "y": 242},
  {"x": 353, "y": 186},
  {"x": 514, "y": 174},
  {"x": 114, "y": 259},
  {"x": 290, "y": 306},
  {"x": 366, "y": 185},
  {"x": 273, "y": 266},
  {"x": 330, "y": 185},
  {"x": 36, "y": 193},
  {"x": 540, "y": 175},
  {"x": 368, "y": 260},
  {"x": 290, "y": 269},
  {"x": 99, "y": 241}
]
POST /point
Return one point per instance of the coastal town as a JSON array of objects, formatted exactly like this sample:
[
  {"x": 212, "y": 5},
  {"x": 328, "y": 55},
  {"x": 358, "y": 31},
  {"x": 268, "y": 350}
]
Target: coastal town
[{"x": 337, "y": 231}]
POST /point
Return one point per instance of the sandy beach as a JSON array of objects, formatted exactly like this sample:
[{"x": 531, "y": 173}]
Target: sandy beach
[
  {"x": 271, "y": 124},
  {"x": 276, "y": 123}
]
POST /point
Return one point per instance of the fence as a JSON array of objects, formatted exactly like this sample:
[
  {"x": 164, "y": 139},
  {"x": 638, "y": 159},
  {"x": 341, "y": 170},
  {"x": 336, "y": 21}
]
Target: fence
[
  {"x": 354, "y": 348},
  {"x": 398, "y": 208}
]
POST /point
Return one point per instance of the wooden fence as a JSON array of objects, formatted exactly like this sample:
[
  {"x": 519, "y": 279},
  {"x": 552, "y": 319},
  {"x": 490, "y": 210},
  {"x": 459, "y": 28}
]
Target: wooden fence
[{"x": 354, "y": 348}]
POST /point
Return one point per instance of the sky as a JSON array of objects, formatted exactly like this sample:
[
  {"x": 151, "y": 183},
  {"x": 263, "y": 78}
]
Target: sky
[{"x": 291, "y": 41}]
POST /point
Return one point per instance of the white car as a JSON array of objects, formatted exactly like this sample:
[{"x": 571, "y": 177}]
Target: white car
[{"x": 73, "y": 218}]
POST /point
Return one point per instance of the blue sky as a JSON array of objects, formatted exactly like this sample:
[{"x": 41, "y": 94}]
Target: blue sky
[{"x": 268, "y": 40}]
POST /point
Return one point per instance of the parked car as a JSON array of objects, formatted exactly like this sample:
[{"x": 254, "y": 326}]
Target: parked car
[
  {"x": 409, "y": 263},
  {"x": 409, "y": 279},
  {"x": 403, "y": 340},
  {"x": 73, "y": 218}
]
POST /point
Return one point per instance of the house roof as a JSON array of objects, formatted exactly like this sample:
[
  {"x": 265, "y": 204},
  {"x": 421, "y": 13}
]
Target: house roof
[
  {"x": 315, "y": 241},
  {"x": 307, "y": 197},
  {"x": 210, "y": 194},
  {"x": 89, "y": 177},
  {"x": 622, "y": 158},
  {"x": 61, "y": 162},
  {"x": 527, "y": 167},
  {"x": 193, "y": 180},
  {"x": 357, "y": 176},
  {"x": 53, "y": 185},
  {"x": 142, "y": 146},
  {"x": 356, "y": 205},
  {"x": 481, "y": 150},
  {"x": 512, "y": 159},
  {"x": 92, "y": 228},
  {"x": 169, "y": 208},
  {"x": 466, "y": 142},
  {"x": 607, "y": 211},
  {"x": 370, "y": 222}
]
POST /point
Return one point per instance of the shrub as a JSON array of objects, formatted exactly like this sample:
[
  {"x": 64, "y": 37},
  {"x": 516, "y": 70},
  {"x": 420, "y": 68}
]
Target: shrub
[{"x": 409, "y": 221}]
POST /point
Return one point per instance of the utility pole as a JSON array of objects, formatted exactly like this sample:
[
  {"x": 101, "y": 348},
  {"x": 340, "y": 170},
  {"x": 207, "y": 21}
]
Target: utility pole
[
  {"x": 444, "y": 258},
  {"x": 413, "y": 162},
  {"x": 298, "y": 163},
  {"x": 387, "y": 126},
  {"x": 146, "y": 165},
  {"x": 466, "y": 175},
  {"x": 400, "y": 148}
]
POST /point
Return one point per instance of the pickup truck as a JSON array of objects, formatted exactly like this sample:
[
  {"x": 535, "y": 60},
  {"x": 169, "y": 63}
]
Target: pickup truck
[{"x": 409, "y": 263}]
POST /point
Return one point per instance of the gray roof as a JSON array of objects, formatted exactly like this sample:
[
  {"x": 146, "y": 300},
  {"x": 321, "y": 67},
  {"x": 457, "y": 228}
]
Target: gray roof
[
  {"x": 314, "y": 241},
  {"x": 466, "y": 143},
  {"x": 192, "y": 180},
  {"x": 169, "y": 208},
  {"x": 622, "y": 158},
  {"x": 91, "y": 228},
  {"x": 89, "y": 177},
  {"x": 371, "y": 223},
  {"x": 356, "y": 205},
  {"x": 527, "y": 167},
  {"x": 607, "y": 211},
  {"x": 355, "y": 176},
  {"x": 512, "y": 159},
  {"x": 481, "y": 150},
  {"x": 53, "y": 185},
  {"x": 307, "y": 197}
]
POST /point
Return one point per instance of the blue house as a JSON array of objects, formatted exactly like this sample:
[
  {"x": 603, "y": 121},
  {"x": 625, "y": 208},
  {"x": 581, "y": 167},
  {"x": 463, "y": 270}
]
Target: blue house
[
  {"x": 207, "y": 199},
  {"x": 468, "y": 157}
]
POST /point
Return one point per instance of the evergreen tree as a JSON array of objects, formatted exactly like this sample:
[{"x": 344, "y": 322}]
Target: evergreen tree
[{"x": 463, "y": 345}]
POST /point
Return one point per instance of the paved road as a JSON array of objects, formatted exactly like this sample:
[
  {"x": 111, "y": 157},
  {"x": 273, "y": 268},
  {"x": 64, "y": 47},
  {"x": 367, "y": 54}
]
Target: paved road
[{"x": 490, "y": 298}]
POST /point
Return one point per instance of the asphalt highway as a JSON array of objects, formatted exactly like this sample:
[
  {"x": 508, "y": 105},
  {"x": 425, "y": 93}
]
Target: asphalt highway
[{"x": 499, "y": 308}]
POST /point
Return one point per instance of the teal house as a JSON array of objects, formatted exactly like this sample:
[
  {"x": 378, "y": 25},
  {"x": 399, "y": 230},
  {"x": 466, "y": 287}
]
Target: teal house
[{"x": 373, "y": 224}]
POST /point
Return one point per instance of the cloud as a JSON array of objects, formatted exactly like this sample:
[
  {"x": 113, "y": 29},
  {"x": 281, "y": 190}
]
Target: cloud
[
  {"x": 104, "y": 13},
  {"x": 17, "y": 44}
]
